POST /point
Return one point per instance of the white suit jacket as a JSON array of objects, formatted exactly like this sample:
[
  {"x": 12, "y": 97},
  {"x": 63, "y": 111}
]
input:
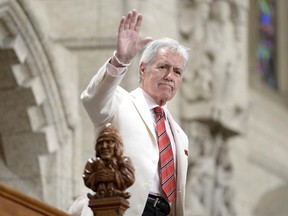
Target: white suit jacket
[{"x": 105, "y": 101}]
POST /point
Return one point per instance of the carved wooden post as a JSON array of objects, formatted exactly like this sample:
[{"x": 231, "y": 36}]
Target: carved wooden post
[
  {"x": 108, "y": 175},
  {"x": 113, "y": 206}
]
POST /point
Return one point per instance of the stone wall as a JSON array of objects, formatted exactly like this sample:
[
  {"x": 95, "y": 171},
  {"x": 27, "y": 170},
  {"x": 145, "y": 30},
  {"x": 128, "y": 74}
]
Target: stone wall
[{"x": 38, "y": 125}]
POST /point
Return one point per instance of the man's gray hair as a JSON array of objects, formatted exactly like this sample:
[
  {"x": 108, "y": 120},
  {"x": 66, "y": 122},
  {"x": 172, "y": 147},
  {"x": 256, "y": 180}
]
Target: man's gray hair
[{"x": 152, "y": 48}]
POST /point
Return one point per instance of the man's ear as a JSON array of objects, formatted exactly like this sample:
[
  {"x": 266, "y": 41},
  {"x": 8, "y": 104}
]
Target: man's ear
[{"x": 142, "y": 68}]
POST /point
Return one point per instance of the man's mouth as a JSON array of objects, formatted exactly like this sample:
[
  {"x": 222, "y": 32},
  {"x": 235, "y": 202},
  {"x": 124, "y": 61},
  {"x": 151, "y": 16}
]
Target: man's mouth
[{"x": 166, "y": 84}]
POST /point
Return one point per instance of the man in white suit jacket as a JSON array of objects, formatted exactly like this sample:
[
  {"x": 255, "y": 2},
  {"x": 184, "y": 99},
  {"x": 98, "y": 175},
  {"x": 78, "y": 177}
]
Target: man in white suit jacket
[{"x": 161, "y": 70}]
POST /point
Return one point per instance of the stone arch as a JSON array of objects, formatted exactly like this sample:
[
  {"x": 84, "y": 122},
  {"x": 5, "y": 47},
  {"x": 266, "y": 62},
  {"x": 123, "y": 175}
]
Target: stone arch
[{"x": 33, "y": 121}]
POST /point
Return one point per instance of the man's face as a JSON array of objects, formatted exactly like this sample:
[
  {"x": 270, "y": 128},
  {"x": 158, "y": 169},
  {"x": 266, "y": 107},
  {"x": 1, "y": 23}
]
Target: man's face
[
  {"x": 162, "y": 78},
  {"x": 106, "y": 147}
]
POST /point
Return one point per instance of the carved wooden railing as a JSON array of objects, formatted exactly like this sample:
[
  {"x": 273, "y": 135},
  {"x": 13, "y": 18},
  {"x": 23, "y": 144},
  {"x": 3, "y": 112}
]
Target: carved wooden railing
[{"x": 14, "y": 203}]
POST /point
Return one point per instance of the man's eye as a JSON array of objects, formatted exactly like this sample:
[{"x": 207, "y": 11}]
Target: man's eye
[{"x": 178, "y": 73}]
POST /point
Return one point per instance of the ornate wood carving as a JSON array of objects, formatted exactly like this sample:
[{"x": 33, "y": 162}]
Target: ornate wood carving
[{"x": 109, "y": 174}]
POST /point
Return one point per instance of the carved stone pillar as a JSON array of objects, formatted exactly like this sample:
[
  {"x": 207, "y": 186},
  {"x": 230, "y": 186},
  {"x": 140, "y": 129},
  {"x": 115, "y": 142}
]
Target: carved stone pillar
[{"x": 214, "y": 98}]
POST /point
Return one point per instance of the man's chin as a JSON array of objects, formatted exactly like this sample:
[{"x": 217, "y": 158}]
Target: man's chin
[{"x": 165, "y": 98}]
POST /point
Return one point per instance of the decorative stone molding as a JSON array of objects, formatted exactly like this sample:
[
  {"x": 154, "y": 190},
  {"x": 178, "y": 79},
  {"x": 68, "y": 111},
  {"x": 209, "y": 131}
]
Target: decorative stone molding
[
  {"x": 36, "y": 125},
  {"x": 214, "y": 98}
]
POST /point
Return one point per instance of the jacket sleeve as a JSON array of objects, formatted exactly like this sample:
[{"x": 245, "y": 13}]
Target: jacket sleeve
[{"x": 102, "y": 96}]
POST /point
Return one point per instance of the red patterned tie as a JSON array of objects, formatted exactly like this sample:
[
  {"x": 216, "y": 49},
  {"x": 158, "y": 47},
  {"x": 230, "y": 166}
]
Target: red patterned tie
[{"x": 167, "y": 169}]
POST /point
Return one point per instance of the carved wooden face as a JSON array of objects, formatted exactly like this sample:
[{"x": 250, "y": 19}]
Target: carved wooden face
[{"x": 106, "y": 148}]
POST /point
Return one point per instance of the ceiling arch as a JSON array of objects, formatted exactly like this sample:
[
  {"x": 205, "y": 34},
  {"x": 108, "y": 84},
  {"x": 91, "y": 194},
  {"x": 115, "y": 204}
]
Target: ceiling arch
[{"x": 32, "y": 115}]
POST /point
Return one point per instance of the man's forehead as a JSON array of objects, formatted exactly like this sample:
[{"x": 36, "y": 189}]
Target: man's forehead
[{"x": 177, "y": 59}]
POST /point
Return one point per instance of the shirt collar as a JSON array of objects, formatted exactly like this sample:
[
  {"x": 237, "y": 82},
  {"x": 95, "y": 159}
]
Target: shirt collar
[{"x": 152, "y": 103}]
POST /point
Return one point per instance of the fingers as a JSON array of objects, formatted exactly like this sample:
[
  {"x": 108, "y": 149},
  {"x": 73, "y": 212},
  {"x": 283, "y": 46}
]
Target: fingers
[
  {"x": 138, "y": 23},
  {"x": 132, "y": 21},
  {"x": 129, "y": 18},
  {"x": 122, "y": 23}
]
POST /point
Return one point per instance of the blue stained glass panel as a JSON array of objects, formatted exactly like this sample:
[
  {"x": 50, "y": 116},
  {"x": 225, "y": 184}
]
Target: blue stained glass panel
[{"x": 265, "y": 52}]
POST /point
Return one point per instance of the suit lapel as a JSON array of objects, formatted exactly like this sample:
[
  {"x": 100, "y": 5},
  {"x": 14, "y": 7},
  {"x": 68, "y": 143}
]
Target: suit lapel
[
  {"x": 174, "y": 129},
  {"x": 178, "y": 138},
  {"x": 143, "y": 110}
]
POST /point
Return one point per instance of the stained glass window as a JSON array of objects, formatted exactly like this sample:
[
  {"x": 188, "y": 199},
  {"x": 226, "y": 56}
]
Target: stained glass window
[{"x": 266, "y": 44}]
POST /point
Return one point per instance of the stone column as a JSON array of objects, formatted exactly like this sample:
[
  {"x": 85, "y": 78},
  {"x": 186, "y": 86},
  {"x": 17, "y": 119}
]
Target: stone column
[{"x": 214, "y": 98}]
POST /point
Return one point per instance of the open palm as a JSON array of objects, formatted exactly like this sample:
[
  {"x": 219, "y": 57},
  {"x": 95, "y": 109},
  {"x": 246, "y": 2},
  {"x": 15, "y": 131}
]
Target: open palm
[{"x": 128, "y": 41}]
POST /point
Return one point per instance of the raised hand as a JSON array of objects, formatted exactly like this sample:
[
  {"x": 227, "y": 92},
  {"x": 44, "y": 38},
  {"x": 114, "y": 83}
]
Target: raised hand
[{"x": 128, "y": 41}]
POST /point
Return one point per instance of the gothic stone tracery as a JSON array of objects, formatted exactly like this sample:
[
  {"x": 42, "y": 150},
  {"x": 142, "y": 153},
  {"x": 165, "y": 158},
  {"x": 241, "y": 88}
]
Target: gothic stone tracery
[{"x": 214, "y": 105}]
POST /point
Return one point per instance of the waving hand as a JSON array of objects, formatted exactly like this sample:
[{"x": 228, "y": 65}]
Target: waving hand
[{"x": 128, "y": 41}]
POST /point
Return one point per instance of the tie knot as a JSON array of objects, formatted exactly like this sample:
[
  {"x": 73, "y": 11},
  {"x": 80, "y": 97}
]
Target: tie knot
[{"x": 159, "y": 112}]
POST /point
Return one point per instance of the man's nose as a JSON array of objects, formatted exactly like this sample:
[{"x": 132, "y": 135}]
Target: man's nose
[{"x": 169, "y": 73}]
